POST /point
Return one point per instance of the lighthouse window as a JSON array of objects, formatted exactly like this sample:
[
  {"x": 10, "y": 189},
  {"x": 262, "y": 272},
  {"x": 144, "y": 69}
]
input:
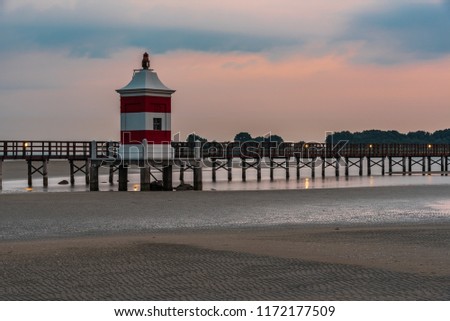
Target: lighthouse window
[{"x": 157, "y": 123}]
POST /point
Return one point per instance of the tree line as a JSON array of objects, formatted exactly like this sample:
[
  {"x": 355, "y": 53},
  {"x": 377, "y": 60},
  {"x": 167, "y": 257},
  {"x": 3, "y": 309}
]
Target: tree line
[
  {"x": 365, "y": 137},
  {"x": 391, "y": 137}
]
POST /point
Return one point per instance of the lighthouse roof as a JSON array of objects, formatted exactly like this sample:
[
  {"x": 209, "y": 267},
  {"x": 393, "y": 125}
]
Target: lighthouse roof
[{"x": 145, "y": 82}]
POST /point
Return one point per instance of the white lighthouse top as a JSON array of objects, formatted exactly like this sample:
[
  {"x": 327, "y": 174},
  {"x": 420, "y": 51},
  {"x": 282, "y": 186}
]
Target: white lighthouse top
[{"x": 145, "y": 82}]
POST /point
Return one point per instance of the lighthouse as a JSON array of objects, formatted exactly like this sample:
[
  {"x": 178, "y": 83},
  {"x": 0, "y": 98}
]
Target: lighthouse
[{"x": 145, "y": 110}]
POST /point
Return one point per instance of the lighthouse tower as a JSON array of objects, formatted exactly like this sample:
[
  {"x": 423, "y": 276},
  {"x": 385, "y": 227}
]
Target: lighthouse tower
[{"x": 145, "y": 107}]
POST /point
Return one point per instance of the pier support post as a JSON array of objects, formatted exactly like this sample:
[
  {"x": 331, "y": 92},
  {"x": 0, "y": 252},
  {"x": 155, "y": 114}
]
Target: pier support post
[
  {"x": 287, "y": 168},
  {"x": 145, "y": 178},
  {"x": 1, "y": 174},
  {"x": 337, "y": 159},
  {"x": 409, "y": 165},
  {"x": 446, "y": 165},
  {"x": 182, "y": 168},
  {"x": 429, "y": 165},
  {"x": 297, "y": 159},
  {"x": 123, "y": 178},
  {"x": 30, "y": 173},
  {"x": 167, "y": 178},
  {"x": 323, "y": 166},
  {"x": 72, "y": 173},
  {"x": 369, "y": 166},
  {"x": 442, "y": 166},
  {"x": 86, "y": 171},
  {"x": 390, "y": 165},
  {"x": 258, "y": 170},
  {"x": 383, "y": 166},
  {"x": 404, "y": 165},
  {"x": 198, "y": 176},
  {"x": 313, "y": 168},
  {"x": 271, "y": 169},
  {"x": 244, "y": 169},
  {"x": 111, "y": 175},
  {"x": 361, "y": 166},
  {"x": 230, "y": 169},
  {"x": 93, "y": 177},
  {"x": 214, "y": 164},
  {"x": 347, "y": 167},
  {"x": 423, "y": 165},
  {"x": 45, "y": 173}
]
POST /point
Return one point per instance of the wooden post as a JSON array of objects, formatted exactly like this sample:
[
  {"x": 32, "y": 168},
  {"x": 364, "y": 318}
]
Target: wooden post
[
  {"x": 404, "y": 166},
  {"x": 182, "y": 173},
  {"x": 198, "y": 179},
  {"x": 390, "y": 165},
  {"x": 86, "y": 171},
  {"x": 93, "y": 177},
  {"x": 347, "y": 167},
  {"x": 287, "y": 168},
  {"x": 313, "y": 168},
  {"x": 442, "y": 166},
  {"x": 429, "y": 165},
  {"x": 369, "y": 166},
  {"x": 123, "y": 178},
  {"x": 297, "y": 159},
  {"x": 1, "y": 174},
  {"x": 337, "y": 159},
  {"x": 30, "y": 173},
  {"x": 72, "y": 172},
  {"x": 446, "y": 165},
  {"x": 361, "y": 166},
  {"x": 230, "y": 169},
  {"x": 214, "y": 170},
  {"x": 423, "y": 165},
  {"x": 258, "y": 170},
  {"x": 145, "y": 177},
  {"x": 271, "y": 169},
  {"x": 409, "y": 165},
  {"x": 323, "y": 166},
  {"x": 383, "y": 166},
  {"x": 167, "y": 178},
  {"x": 45, "y": 173},
  {"x": 111, "y": 175},
  {"x": 244, "y": 169}
]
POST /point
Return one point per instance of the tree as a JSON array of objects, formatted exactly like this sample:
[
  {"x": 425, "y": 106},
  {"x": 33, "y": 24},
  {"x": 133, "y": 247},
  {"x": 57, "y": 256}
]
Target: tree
[
  {"x": 192, "y": 138},
  {"x": 243, "y": 137}
]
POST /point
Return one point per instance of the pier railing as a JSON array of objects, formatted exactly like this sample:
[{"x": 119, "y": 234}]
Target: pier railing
[
  {"x": 72, "y": 150},
  {"x": 223, "y": 150},
  {"x": 81, "y": 150}
]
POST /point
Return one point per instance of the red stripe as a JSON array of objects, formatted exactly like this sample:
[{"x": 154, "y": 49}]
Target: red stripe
[
  {"x": 148, "y": 104},
  {"x": 152, "y": 136}
]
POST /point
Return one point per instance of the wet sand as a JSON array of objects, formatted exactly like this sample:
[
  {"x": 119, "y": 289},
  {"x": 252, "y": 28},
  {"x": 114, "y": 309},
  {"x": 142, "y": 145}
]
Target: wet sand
[{"x": 395, "y": 261}]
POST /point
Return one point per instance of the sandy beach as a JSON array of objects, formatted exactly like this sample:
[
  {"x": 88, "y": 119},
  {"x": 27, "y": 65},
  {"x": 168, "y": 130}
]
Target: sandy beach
[{"x": 82, "y": 246}]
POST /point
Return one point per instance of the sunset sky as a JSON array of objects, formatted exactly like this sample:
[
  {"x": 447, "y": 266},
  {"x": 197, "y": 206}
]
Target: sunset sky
[{"x": 294, "y": 68}]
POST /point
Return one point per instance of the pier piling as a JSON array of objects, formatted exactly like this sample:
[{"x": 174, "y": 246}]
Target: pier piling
[
  {"x": 145, "y": 178},
  {"x": 123, "y": 178},
  {"x": 93, "y": 177},
  {"x": 45, "y": 172},
  {"x": 167, "y": 178}
]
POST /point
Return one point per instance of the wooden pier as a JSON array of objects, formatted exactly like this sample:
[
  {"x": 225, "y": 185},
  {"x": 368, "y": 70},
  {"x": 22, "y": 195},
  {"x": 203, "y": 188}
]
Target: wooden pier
[{"x": 88, "y": 157}]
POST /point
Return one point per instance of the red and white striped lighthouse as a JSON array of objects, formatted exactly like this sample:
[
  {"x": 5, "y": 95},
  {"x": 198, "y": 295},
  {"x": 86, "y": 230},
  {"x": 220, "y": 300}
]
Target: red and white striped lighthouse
[{"x": 145, "y": 108}]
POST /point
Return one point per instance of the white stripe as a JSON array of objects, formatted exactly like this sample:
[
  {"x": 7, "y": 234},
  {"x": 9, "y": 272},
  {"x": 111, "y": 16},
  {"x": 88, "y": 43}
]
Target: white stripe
[
  {"x": 154, "y": 151},
  {"x": 143, "y": 121}
]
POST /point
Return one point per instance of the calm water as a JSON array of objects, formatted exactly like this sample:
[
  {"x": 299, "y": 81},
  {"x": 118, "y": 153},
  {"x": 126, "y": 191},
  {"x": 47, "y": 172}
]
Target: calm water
[{"x": 222, "y": 184}]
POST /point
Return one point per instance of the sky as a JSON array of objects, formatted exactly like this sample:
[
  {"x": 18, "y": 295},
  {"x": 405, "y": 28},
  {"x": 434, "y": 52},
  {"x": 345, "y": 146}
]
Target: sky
[{"x": 294, "y": 68}]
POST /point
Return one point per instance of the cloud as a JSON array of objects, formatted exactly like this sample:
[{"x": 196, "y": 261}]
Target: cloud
[
  {"x": 95, "y": 39},
  {"x": 403, "y": 33}
]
